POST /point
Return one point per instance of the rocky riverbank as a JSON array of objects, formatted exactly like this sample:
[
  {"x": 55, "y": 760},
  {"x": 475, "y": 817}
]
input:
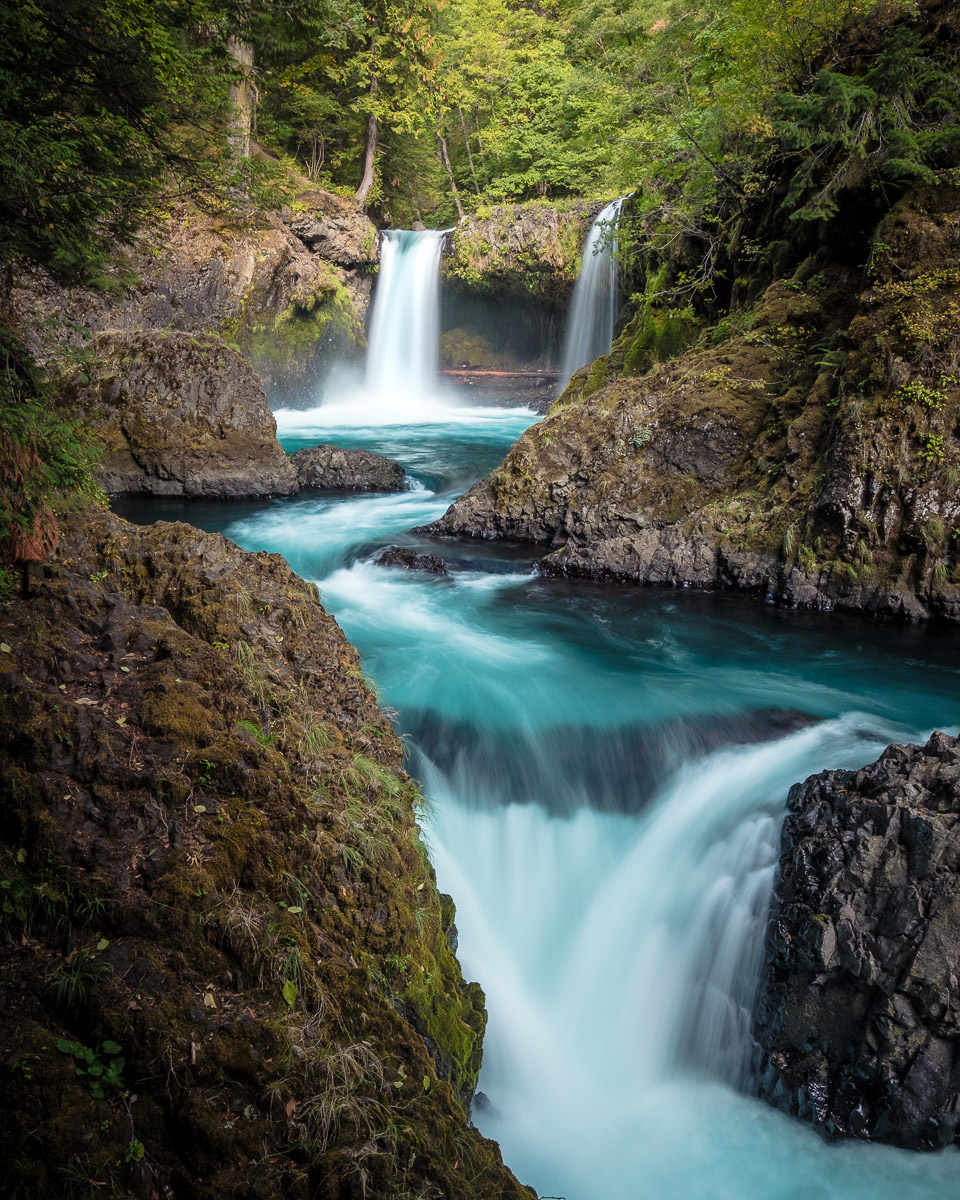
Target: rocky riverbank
[
  {"x": 859, "y": 1013},
  {"x": 806, "y": 451},
  {"x": 225, "y": 968}
]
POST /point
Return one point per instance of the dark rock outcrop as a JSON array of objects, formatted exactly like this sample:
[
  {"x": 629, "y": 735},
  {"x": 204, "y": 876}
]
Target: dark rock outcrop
[
  {"x": 807, "y": 453},
  {"x": 411, "y": 560},
  {"x": 859, "y": 1012},
  {"x": 180, "y": 414},
  {"x": 349, "y": 470},
  {"x": 215, "y": 894},
  {"x": 526, "y": 250}
]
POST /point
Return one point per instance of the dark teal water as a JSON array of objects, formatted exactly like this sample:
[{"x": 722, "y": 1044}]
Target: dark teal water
[{"x": 608, "y": 770}]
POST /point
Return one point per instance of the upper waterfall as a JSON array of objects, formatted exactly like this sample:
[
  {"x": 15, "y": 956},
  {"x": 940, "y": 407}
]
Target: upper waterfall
[
  {"x": 594, "y": 307},
  {"x": 405, "y": 326}
]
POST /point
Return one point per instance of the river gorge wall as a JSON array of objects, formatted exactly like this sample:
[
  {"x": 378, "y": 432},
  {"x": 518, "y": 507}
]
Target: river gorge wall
[
  {"x": 225, "y": 967},
  {"x": 858, "y": 1017},
  {"x": 806, "y": 450}
]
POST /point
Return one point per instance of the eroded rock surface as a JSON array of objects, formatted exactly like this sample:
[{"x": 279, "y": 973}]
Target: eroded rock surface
[
  {"x": 180, "y": 414},
  {"x": 409, "y": 559},
  {"x": 349, "y": 470},
  {"x": 287, "y": 303},
  {"x": 859, "y": 1012},
  {"x": 528, "y": 250},
  {"x": 807, "y": 452},
  {"x": 213, "y": 883}
]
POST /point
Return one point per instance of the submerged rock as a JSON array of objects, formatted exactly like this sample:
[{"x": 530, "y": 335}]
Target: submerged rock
[
  {"x": 180, "y": 414},
  {"x": 218, "y": 916},
  {"x": 349, "y": 470},
  {"x": 859, "y": 1012},
  {"x": 411, "y": 560}
]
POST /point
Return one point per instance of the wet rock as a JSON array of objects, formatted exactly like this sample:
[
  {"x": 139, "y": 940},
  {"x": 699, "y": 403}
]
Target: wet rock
[
  {"x": 858, "y": 1017},
  {"x": 179, "y": 831},
  {"x": 180, "y": 415},
  {"x": 291, "y": 305},
  {"x": 349, "y": 470},
  {"x": 411, "y": 560},
  {"x": 755, "y": 463}
]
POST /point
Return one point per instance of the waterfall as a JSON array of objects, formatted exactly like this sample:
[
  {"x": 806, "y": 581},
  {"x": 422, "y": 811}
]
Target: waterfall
[
  {"x": 405, "y": 326},
  {"x": 594, "y": 307}
]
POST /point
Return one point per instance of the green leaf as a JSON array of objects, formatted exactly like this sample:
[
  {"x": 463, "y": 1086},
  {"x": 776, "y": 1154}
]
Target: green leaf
[
  {"x": 111, "y": 1048},
  {"x": 290, "y": 993}
]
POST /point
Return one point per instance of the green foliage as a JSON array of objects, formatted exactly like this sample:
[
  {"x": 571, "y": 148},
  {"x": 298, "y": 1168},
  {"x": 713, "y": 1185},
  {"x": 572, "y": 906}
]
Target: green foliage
[
  {"x": 99, "y": 1074},
  {"x": 893, "y": 124},
  {"x": 44, "y": 458},
  {"x": 71, "y": 979},
  {"x": 99, "y": 99}
]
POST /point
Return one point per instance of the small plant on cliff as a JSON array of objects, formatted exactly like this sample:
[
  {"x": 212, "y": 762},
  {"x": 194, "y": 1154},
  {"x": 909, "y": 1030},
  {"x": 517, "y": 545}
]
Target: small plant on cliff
[
  {"x": 94, "y": 1072},
  {"x": 44, "y": 458}
]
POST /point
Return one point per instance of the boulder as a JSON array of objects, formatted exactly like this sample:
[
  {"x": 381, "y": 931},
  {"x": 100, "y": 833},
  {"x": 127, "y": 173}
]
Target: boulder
[
  {"x": 347, "y": 470},
  {"x": 211, "y": 846},
  {"x": 858, "y": 1017},
  {"x": 180, "y": 414},
  {"x": 411, "y": 560}
]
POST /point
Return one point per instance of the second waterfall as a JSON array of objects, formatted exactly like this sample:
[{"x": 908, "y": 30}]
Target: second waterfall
[{"x": 593, "y": 310}]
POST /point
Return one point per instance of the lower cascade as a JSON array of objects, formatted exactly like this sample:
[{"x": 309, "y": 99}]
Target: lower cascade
[
  {"x": 593, "y": 310},
  {"x": 606, "y": 778}
]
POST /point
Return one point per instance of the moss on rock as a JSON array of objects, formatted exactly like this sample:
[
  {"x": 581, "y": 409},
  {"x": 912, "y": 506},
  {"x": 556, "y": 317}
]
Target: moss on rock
[{"x": 209, "y": 859}]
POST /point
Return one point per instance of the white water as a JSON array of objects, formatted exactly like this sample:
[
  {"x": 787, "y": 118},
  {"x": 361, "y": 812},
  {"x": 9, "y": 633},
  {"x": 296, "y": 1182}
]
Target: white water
[
  {"x": 593, "y": 309},
  {"x": 400, "y": 385},
  {"x": 619, "y": 947}
]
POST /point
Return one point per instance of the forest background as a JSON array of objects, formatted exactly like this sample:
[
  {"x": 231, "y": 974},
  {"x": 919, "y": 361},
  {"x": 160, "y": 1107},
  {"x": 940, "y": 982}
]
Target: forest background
[{"x": 708, "y": 113}]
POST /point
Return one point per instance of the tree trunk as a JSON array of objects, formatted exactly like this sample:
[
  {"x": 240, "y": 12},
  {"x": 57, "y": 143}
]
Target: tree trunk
[
  {"x": 466, "y": 142},
  {"x": 370, "y": 159},
  {"x": 445, "y": 159},
  {"x": 243, "y": 99}
]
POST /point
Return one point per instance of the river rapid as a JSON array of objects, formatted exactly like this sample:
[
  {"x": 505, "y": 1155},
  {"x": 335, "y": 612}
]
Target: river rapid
[{"x": 606, "y": 773}]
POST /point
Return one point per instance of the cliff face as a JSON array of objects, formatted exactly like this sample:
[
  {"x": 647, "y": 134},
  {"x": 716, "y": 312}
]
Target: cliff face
[
  {"x": 289, "y": 289},
  {"x": 530, "y": 251},
  {"x": 859, "y": 1013},
  {"x": 225, "y": 968},
  {"x": 808, "y": 450}
]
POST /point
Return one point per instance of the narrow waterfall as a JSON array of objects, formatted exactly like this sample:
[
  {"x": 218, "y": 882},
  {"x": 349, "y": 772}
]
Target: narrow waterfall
[
  {"x": 594, "y": 307},
  {"x": 405, "y": 326}
]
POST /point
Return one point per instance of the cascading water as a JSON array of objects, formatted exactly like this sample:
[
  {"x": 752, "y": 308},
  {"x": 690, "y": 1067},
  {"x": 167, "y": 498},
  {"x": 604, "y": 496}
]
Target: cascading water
[
  {"x": 593, "y": 309},
  {"x": 405, "y": 325},
  {"x": 400, "y": 385},
  {"x": 608, "y": 773}
]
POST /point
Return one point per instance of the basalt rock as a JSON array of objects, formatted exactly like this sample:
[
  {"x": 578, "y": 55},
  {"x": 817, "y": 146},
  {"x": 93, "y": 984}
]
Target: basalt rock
[
  {"x": 180, "y": 414},
  {"x": 290, "y": 304},
  {"x": 805, "y": 453},
  {"x": 411, "y": 560},
  {"x": 218, "y": 918},
  {"x": 859, "y": 1012},
  {"x": 525, "y": 250},
  {"x": 349, "y": 470}
]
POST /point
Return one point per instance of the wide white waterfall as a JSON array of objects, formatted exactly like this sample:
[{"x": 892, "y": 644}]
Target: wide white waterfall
[
  {"x": 593, "y": 310},
  {"x": 405, "y": 326}
]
